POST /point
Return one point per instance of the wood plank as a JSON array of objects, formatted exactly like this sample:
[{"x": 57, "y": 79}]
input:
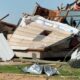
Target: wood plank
[
  {"x": 28, "y": 54},
  {"x": 30, "y": 27},
  {"x": 23, "y": 36}
]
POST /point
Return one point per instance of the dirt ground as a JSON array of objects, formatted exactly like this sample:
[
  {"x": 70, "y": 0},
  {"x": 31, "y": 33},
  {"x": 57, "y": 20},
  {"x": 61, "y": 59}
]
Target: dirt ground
[
  {"x": 12, "y": 76},
  {"x": 8, "y": 76}
]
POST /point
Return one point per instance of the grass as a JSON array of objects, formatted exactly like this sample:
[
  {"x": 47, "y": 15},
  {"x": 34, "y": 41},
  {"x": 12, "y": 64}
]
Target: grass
[
  {"x": 65, "y": 70},
  {"x": 10, "y": 69}
]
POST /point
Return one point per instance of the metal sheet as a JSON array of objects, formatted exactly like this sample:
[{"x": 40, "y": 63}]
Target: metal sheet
[
  {"x": 35, "y": 69},
  {"x": 39, "y": 69},
  {"x": 5, "y": 52},
  {"x": 49, "y": 71},
  {"x": 25, "y": 69}
]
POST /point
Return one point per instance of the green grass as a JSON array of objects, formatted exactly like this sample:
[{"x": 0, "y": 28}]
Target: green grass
[
  {"x": 65, "y": 70},
  {"x": 10, "y": 69}
]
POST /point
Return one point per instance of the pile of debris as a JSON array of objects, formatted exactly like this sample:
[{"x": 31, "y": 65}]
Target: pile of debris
[
  {"x": 36, "y": 33},
  {"x": 45, "y": 34},
  {"x": 75, "y": 58}
]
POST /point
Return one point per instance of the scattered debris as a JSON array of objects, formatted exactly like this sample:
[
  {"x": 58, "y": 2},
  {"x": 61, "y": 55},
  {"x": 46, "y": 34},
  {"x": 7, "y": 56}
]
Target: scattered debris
[
  {"x": 39, "y": 33},
  {"x": 46, "y": 13},
  {"x": 7, "y": 28},
  {"x": 35, "y": 69},
  {"x": 50, "y": 71},
  {"x": 38, "y": 69},
  {"x": 4, "y": 17},
  {"x": 75, "y": 58}
]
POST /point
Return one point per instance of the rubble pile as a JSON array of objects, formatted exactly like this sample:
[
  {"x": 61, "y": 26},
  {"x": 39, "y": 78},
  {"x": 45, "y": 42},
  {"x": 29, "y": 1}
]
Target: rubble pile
[{"x": 45, "y": 34}]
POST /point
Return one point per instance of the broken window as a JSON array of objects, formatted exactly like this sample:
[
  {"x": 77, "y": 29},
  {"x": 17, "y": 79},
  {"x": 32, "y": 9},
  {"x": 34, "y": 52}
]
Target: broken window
[{"x": 42, "y": 35}]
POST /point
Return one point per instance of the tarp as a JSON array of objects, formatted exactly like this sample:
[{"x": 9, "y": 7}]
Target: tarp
[{"x": 5, "y": 51}]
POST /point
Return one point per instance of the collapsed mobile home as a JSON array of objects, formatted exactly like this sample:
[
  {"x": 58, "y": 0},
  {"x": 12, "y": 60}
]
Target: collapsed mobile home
[
  {"x": 36, "y": 34},
  {"x": 44, "y": 35}
]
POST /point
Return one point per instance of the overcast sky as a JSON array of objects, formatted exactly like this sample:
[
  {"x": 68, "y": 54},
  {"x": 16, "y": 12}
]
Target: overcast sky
[{"x": 16, "y": 7}]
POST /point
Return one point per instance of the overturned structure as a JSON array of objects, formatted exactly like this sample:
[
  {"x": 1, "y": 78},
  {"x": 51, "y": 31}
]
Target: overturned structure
[
  {"x": 46, "y": 33},
  {"x": 35, "y": 35}
]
